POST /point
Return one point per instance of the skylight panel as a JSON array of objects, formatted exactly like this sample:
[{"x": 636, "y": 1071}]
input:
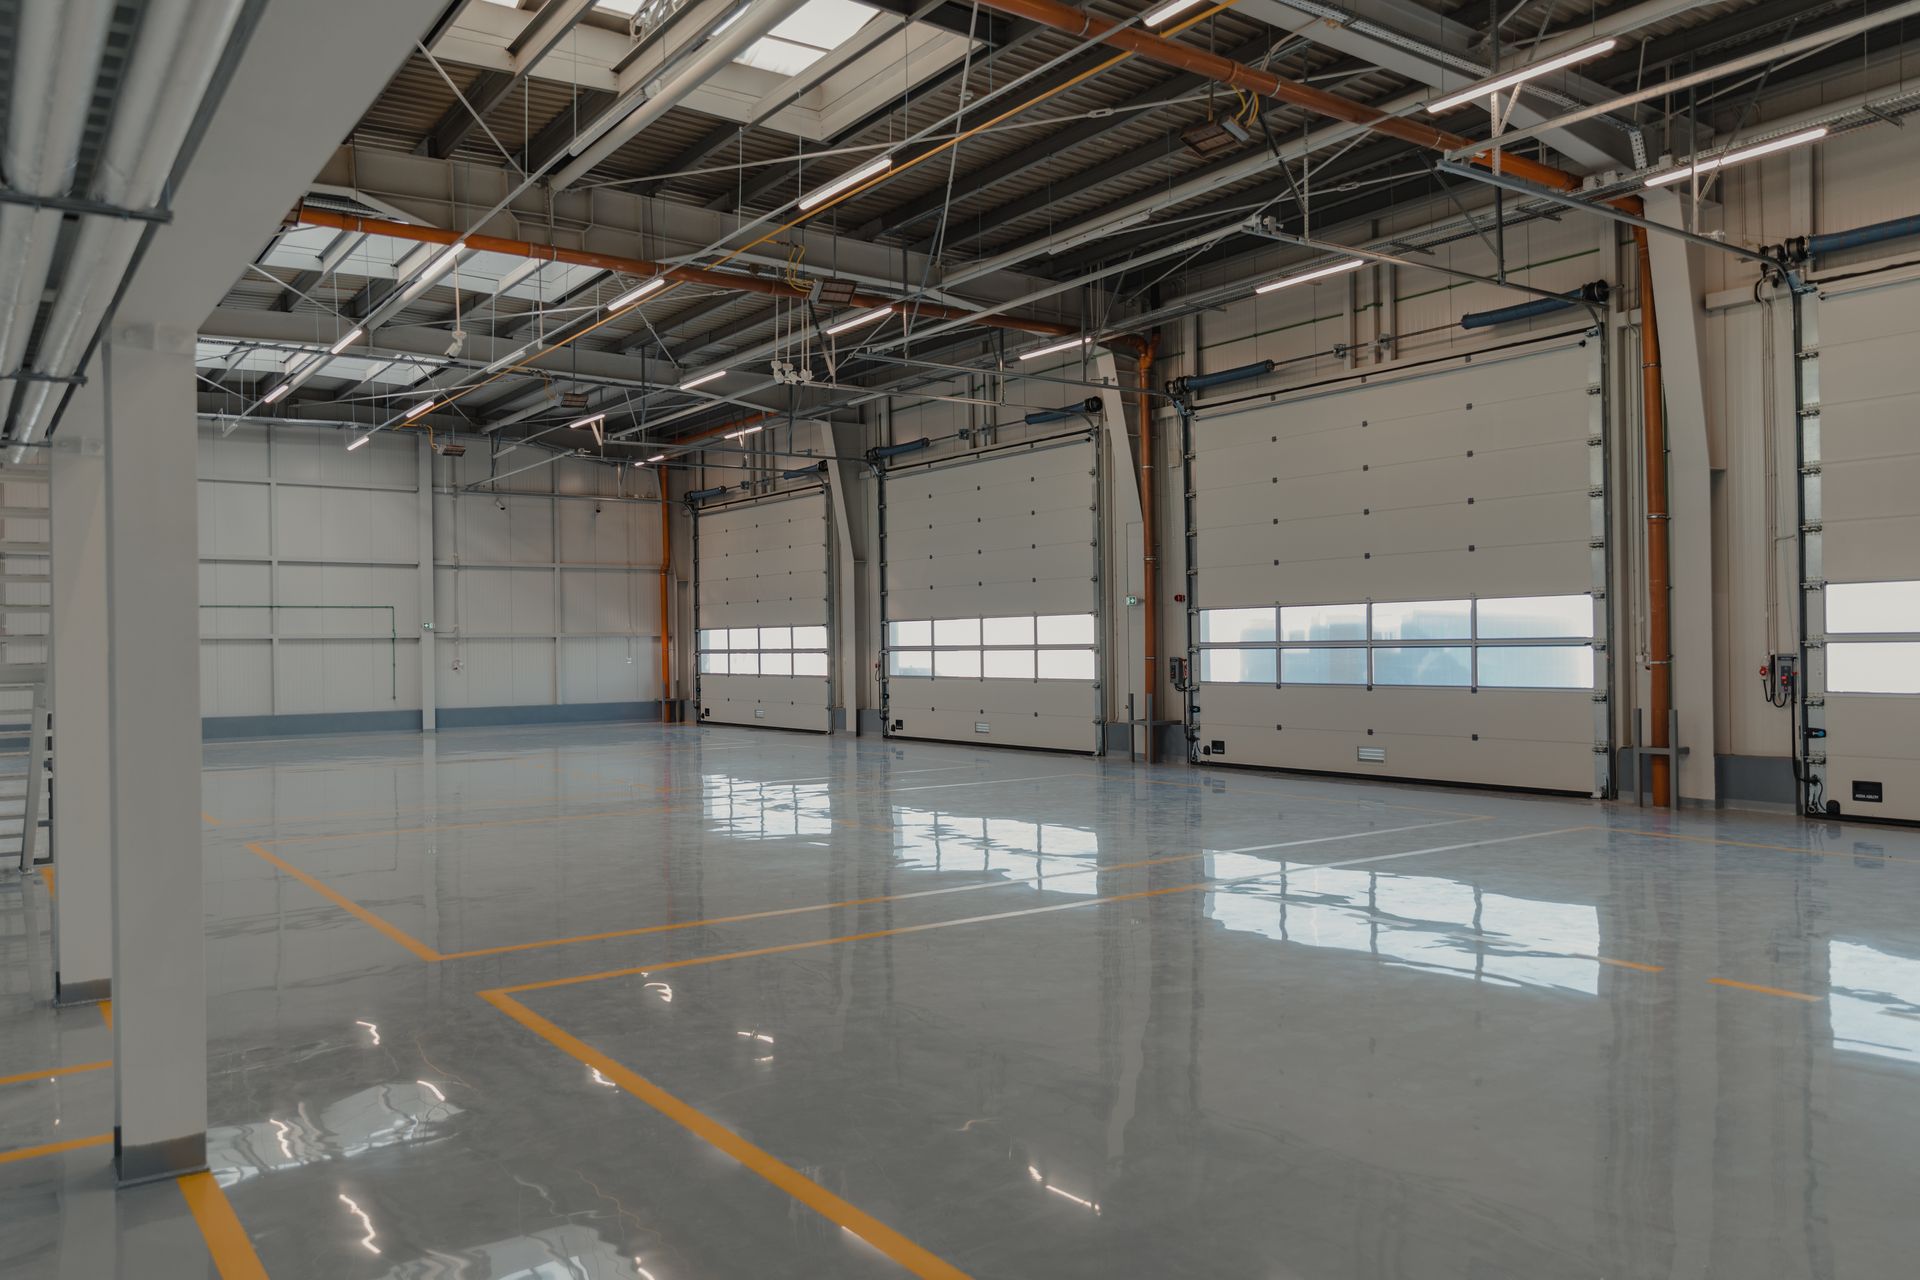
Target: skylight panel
[{"x": 815, "y": 30}]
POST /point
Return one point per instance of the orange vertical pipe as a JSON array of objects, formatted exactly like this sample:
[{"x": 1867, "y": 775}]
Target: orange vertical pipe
[
  {"x": 1659, "y": 523},
  {"x": 666, "y": 595},
  {"x": 1149, "y": 568}
]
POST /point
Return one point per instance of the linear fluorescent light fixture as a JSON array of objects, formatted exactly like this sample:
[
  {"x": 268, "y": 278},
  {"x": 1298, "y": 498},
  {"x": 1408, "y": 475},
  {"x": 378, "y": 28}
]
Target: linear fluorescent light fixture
[
  {"x": 1171, "y": 9},
  {"x": 278, "y": 393},
  {"x": 418, "y": 409},
  {"x": 658, "y": 457},
  {"x": 1735, "y": 157},
  {"x": 636, "y": 293},
  {"x": 438, "y": 267},
  {"x": 1519, "y": 75},
  {"x": 1316, "y": 274},
  {"x": 587, "y": 421},
  {"x": 1068, "y": 345},
  {"x": 351, "y": 338},
  {"x": 851, "y": 178},
  {"x": 863, "y": 319},
  {"x": 744, "y": 432},
  {"x": 356, "y": 442},
  {"x": 508, "y": 358},
  {"x": 703, "y": 379}
]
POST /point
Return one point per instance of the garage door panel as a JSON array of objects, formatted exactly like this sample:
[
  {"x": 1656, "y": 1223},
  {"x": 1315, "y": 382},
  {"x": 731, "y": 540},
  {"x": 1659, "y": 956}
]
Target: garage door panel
[
  {"x": 993, "y": 600},
  {"x": 1010, "y": 533},
  {"x": 1864, "y": 402},
  {"x": 1470, "y": 483},
  {"x": 1522, "y": 738},
  {"x": 765, "y": 564}
]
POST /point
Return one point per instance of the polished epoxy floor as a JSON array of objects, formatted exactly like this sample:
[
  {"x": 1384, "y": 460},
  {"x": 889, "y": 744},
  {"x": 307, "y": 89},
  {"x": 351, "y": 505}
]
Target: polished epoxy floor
[{"x": 677, "y": 1003}]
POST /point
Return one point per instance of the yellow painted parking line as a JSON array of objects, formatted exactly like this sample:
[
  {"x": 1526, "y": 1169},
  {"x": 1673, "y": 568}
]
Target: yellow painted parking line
[
  {"x": 54, "y": 1072},
  {"x": 366, "y": 917},
  {"x": 55, "y": 1148},
  {"x": 226, "y": 1239},
  {"x": 912, "y": 1256},
  {"x": 209, "y": 819},
  {"x": 1632, "y": 964},
  {"x": 1765, "y": 991},
  {"x": 46, "y": 873},
  {"x": 106, "y": 1013}
]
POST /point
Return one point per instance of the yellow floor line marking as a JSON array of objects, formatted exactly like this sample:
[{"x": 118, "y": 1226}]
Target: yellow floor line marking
[
  {"x": 106, "y": 1013},
  {"x": 432, "y": 956},
  {"x": 1196, "y": 886},
  {"x": 1765, "y": 991},
  {"x": 366, "y": 917},
  {"x": 1752, "y": 844},
  {"x": 1632, "y": 964},
  {"x": 209, "y": 819},
  {"x": 55, "y": 1148},
  {"x": 56, "y": 1071},
  {"x": 46, "y": 873},
  {"x": 226, "y": 1239},
  {"x": 438, "y": 827},
  {"x": 788, "y": 1179}
]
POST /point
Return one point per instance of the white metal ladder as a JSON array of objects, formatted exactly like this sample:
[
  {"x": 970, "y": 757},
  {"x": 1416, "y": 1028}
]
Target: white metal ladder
[{"x": 26, "y": 617}]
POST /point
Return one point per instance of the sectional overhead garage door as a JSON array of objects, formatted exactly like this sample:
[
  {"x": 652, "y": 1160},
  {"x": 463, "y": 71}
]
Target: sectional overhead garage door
[
  {"x": 762, "y": 593},
  {"x": 1861, "y": 477},
  {"x": 991, "y": 599},
  {"x": 1403, "y": 574}
]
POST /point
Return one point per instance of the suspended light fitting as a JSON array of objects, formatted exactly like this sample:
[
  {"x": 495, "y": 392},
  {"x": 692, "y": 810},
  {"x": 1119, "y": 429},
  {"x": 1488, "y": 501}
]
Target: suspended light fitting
[
  {"x": 1735, "y": 157},
  {"x": 1316, "y": 274},
  {"x": 352, "y": 337},
  {"x": 1068, "y": 345},
  {"x": 1519, "y": 75},
  {"x": 636, "y": 293},
  {"x": 851, "y": 178},
  {"x": 863, "y": 319},
  {"x": 703, "y": 379}
]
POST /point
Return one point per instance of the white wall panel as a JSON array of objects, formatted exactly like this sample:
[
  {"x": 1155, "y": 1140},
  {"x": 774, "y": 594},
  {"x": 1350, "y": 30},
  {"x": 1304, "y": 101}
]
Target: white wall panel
[{"x": 289, "y": 517}]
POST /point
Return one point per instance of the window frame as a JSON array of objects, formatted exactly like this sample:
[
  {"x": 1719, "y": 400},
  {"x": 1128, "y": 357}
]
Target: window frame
[
  {"x": 1036, "y": 649},
  {"x": 1369, "y": 643}
]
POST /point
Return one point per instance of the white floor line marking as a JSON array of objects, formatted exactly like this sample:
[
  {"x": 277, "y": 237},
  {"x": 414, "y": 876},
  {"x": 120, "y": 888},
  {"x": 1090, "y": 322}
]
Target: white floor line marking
[
  {"x": 1088, "y": 871},
  {"x": 1284, "y": 869},
  {"x": 934, "y": 786},
  {"x": 834, "y": 777}
]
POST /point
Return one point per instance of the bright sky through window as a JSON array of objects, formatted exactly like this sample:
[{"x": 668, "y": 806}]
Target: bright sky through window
[{"x": 820, "y": 27}]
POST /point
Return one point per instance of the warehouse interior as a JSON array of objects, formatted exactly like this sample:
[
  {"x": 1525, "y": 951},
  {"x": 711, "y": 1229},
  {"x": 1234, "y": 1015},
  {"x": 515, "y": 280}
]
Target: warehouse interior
[{"x": 685, "y": 639}]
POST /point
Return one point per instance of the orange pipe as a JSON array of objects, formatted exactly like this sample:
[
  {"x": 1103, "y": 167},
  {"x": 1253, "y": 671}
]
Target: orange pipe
[
  {"x": 1149, "y": 567},
  {"x": 1659, "y": 526},
  {"x": 642, "y": 267},
  {"x": 1171, "y": 53}
]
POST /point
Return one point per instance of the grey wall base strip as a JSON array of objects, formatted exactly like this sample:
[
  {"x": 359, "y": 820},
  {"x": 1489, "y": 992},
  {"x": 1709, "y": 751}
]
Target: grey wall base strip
[
  {"x": 153, "y": 1161},
  {"x": 574, "y": 713},
  {"x": 217, "y": 728},
  {"x": 92, "y": 991},
  {"x": 1756, "y": 780}
]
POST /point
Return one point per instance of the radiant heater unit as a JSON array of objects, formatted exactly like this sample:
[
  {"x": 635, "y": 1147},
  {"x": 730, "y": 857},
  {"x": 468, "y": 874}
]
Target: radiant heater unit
[{"x": 1214, "y": 136}]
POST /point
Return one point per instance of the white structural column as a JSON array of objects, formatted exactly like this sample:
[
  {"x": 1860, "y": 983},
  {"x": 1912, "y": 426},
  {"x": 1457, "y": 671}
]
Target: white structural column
[
  {"x": 849, "y": 689},
  {"x": 153, "y": 757},
  {"x": 1677, "y": 289},
  {"x": 424, "y": 507},
  {"x": 82, "y": 909},
  {"x": 1122, "y": 560}
]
